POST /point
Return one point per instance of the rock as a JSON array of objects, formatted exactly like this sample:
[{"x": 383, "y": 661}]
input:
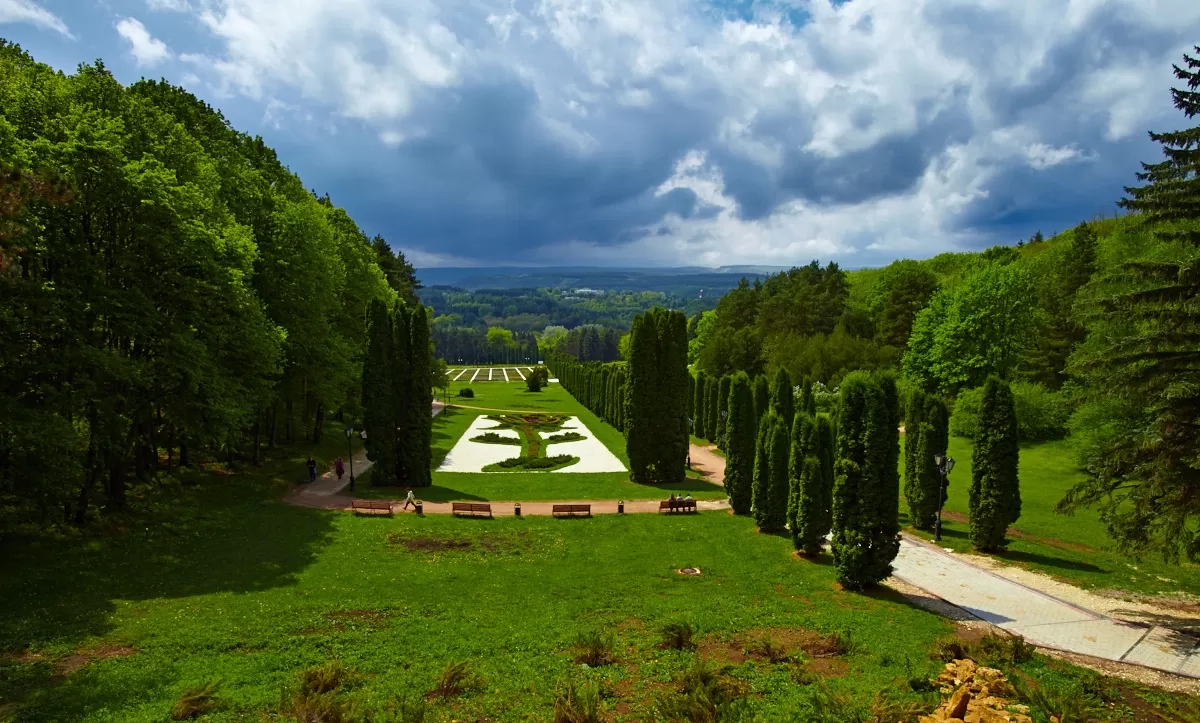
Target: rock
[{"x": 957, "y": 707}]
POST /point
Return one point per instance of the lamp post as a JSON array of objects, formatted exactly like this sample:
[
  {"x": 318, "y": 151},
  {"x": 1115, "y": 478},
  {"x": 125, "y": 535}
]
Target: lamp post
[{"x": 944, "y": 465}]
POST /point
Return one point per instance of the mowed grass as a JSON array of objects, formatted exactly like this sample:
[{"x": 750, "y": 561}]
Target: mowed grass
[
  {"x": 251, "y": 592},
  {"x": 449, "y": 426},
  {"x": 1075, "y": 548}
]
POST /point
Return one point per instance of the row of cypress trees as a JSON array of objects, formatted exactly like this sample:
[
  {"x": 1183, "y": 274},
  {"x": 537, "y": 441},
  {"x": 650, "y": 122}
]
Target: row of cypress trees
[
  {"x": 397, "y": 395},
  {"x": 598, "y": 386},
  {"x": 656, "y": 397},
  {"x": 927, "y": 434},
  {"x": 710, "y": 405}
]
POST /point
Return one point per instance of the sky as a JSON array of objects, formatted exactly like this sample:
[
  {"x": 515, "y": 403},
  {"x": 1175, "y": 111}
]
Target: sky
[{"x": 668, "y": 132}]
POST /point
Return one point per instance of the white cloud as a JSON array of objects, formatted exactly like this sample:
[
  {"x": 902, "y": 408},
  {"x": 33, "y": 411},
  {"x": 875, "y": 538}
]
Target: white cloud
[
  {"x": 28, "y": 11},
  {"x": 178, "y": 6},
  {"x": 875, "y": 127},
  {"x": 145, "y": 48}
]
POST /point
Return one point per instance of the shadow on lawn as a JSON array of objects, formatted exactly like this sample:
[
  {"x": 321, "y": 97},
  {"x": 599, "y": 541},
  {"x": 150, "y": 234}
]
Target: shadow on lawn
[{"x": 221, "y": 536}]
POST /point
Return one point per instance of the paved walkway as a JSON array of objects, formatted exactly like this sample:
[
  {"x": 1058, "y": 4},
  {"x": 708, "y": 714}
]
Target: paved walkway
[{"x": 1041, "y": 619}]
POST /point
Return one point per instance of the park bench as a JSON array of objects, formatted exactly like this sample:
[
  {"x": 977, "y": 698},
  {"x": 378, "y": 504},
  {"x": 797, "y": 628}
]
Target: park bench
[
  {"x": 572, "y": 510},
  {"x": 371, "y": 506},
  {"x": 471, "y": 508},
  {"x": 677, "y": 506}
]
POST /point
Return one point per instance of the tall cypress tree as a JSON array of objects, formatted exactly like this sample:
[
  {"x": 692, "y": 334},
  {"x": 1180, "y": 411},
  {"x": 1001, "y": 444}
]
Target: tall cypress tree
[
  {"x": 806, "y": 503},
  {"x": 926, "y": 435},
  {"x": 377, "y": 392},
  {"x": 825, "y": 449},
  {"x": 995, "y": 498},
  {"x": 761, "y": 495},
  {"x": 762, "y": 396},
  {"x": 692, "y": 400},
  {"x": 808, "y": 402},
  {"x": 713, "y": 409},
  {"x": 783, "y": 400},
  {"x": 739, "y": 455},
  {"x": 420, "y": 436},
  {"x": 639, "y": 406},
  {"x": 723, "y": 411},
  {"x": 402, "y": 382},
  {"x": 780, "y": 484},
  {"x": 673, "y": 389},
  {"x": 700, "y": 406},
  {"x": 866, "y": 492}
]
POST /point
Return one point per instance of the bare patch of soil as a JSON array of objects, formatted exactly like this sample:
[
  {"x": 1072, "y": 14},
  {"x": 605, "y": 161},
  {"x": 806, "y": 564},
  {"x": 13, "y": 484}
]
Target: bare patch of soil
[{"x": 69, "y": 664}]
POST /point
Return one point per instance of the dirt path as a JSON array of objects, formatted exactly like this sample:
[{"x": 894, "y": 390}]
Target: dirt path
[{"x": 708, "y": 463}]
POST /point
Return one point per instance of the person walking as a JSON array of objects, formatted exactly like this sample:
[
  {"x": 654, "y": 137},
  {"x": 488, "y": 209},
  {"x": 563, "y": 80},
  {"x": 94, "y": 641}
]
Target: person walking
[
  {"x": 312, "y": 470},
  {"x": 410, "y": 500},
  {"x": 339, "y": 468}
]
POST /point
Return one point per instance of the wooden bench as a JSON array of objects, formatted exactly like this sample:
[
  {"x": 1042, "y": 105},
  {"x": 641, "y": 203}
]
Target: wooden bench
[
  {"x": 371, "y": 506},
  {"x": 471, "y": 508},
  {"x": 572, "y": 510},
  {"x": 677, "y": 506}
]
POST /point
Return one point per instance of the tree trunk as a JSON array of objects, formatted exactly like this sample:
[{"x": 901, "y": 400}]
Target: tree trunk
[
  {"x": 291, "y": 437},
  {"x": 115, "y": 489},
  {"x": 183, "y": 453},
  {"x": 258, "y": 440},
  {"x": 319, "y": 426},
  {"x": 273, "y": 434}
]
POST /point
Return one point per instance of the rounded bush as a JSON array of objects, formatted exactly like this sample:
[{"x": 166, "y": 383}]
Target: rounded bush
[{"x": 466, "y": 392}]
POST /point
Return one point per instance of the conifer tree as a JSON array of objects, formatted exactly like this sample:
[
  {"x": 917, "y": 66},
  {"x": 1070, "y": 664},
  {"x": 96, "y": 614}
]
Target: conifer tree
[
  {"x": 762, "y": 396},
  {"x": 419, "y": 442},
  {"x": 761, "y": 495},
  {"x": 826, "y": 452},
  {"x": 783, "y": 400},
  {"x": 377, "y": 390},
  {"x": 700, "y": 406},
  {"x": 656, "y": 435},
  {"x": 926, "y": 436},
  {"x": 692, "y": 401},
  {"x": 808, "y": 402},
  {"x": 1140, "y": 360},
  {"x": 995, "y": 497},
  {"x": 639, "y": 407},
  {"x": 401, "y": 357},
  {"x": 723, "y": 411},
  {"x": 780, "y": 484},
  {"x": 866, "y": 492},
  {"x": 672, "y": 378},
  {"x": 807, "y": 504},
  {"x": 739, "y": 456},
  {"x": 713, "y": 409}
]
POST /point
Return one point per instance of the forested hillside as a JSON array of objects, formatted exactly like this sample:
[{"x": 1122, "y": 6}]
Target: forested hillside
[{"x": 170, "y": 291}]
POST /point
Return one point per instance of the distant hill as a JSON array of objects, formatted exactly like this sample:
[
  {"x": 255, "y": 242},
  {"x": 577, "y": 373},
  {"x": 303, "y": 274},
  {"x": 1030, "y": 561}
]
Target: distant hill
[{"x": 682, "y": 281}]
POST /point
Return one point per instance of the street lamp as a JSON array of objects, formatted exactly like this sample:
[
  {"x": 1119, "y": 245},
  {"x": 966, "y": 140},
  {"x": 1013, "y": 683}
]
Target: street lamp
[{"x": 944, "y": 465}]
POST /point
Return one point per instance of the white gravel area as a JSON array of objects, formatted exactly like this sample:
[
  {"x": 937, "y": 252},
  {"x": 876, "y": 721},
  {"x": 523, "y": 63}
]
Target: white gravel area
[
  {"x": 468, "y": 456},
  {"x": 593, "y": 455}
]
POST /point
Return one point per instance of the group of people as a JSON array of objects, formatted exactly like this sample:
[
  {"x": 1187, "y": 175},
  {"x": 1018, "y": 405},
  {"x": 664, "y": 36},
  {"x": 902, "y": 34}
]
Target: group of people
[
  {"x": 339, "y": 468},
  {"x": 687, "y": 496}
]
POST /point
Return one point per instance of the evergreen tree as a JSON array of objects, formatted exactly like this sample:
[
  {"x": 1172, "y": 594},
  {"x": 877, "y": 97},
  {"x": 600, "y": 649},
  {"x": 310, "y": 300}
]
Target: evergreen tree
[
  {"x": 672, "y": 379},
  {"x": 713, "y": 409},
  {"x": 739, "y": 457},
  {"x": 826, "y": 453},
  {"x": 639, "y": 405},
  {"x": 783, "y": 400},
  {"x": 377, "y": 390},
  {"x": 402, "y": 384},
  {"x": 419, "y": 442},
  {"x": 723, "y": 411},
  {"x": 866, "y": 493},
  {"x": 700, "y": 406},
  {"x": 926, "y": 436},
  {"x": 780, "y": 484},
  {"x": 1139, "y": 364},
  {"x": 995, "y": 498},
  {"x": 761, "y": 495},
  {"x": 692, "y": 401},
  {"x": 806, "y": 500},
  {"x": 762, "y": 396},
  {"x": 808, "y": 402}
]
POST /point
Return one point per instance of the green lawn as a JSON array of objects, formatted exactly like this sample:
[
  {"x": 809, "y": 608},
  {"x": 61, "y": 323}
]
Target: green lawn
[
  {"x": 1074, "y": 548},
  {"x": 450, "y": 425},
  {"x": 216, "y": 580}
]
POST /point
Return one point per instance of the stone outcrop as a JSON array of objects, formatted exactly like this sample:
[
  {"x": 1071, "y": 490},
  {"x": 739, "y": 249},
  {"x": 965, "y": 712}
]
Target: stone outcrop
[{"x": 976, "y": 695}]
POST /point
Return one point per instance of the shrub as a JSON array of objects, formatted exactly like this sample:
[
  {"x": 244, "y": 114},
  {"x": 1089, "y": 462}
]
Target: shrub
[
  {"x": 704, "y": 694},
  {"x": 767, "y": 648},
  {"x": 536, "y": 379},
  {"x": 1042, "y": 414},
  {"x": 195, "y": 702},
  {"x": 594, "y": 649},
  {"x": 565, "y": 437},
  {"x": 577, "y": 704},
  {"x": 678, "y": 636},
  {"x": 466, "y": 393},
  {"x": 457, "y": 678},
  {"x": 493, "y": 438},
  {"x": 325, "y": 678}
]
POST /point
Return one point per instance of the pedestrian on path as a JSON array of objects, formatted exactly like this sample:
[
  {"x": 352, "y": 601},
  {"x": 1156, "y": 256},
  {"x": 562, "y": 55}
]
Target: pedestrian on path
[
  {"x": 339, "y": 468},
  {"x": 312, "y": 470},
  {"x": 410, "y": 500}
]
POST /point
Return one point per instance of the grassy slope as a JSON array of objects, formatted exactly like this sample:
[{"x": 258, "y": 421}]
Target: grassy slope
[
  {"x": 450, "y": 425},
  {"x": 1074, "y": 548}
]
